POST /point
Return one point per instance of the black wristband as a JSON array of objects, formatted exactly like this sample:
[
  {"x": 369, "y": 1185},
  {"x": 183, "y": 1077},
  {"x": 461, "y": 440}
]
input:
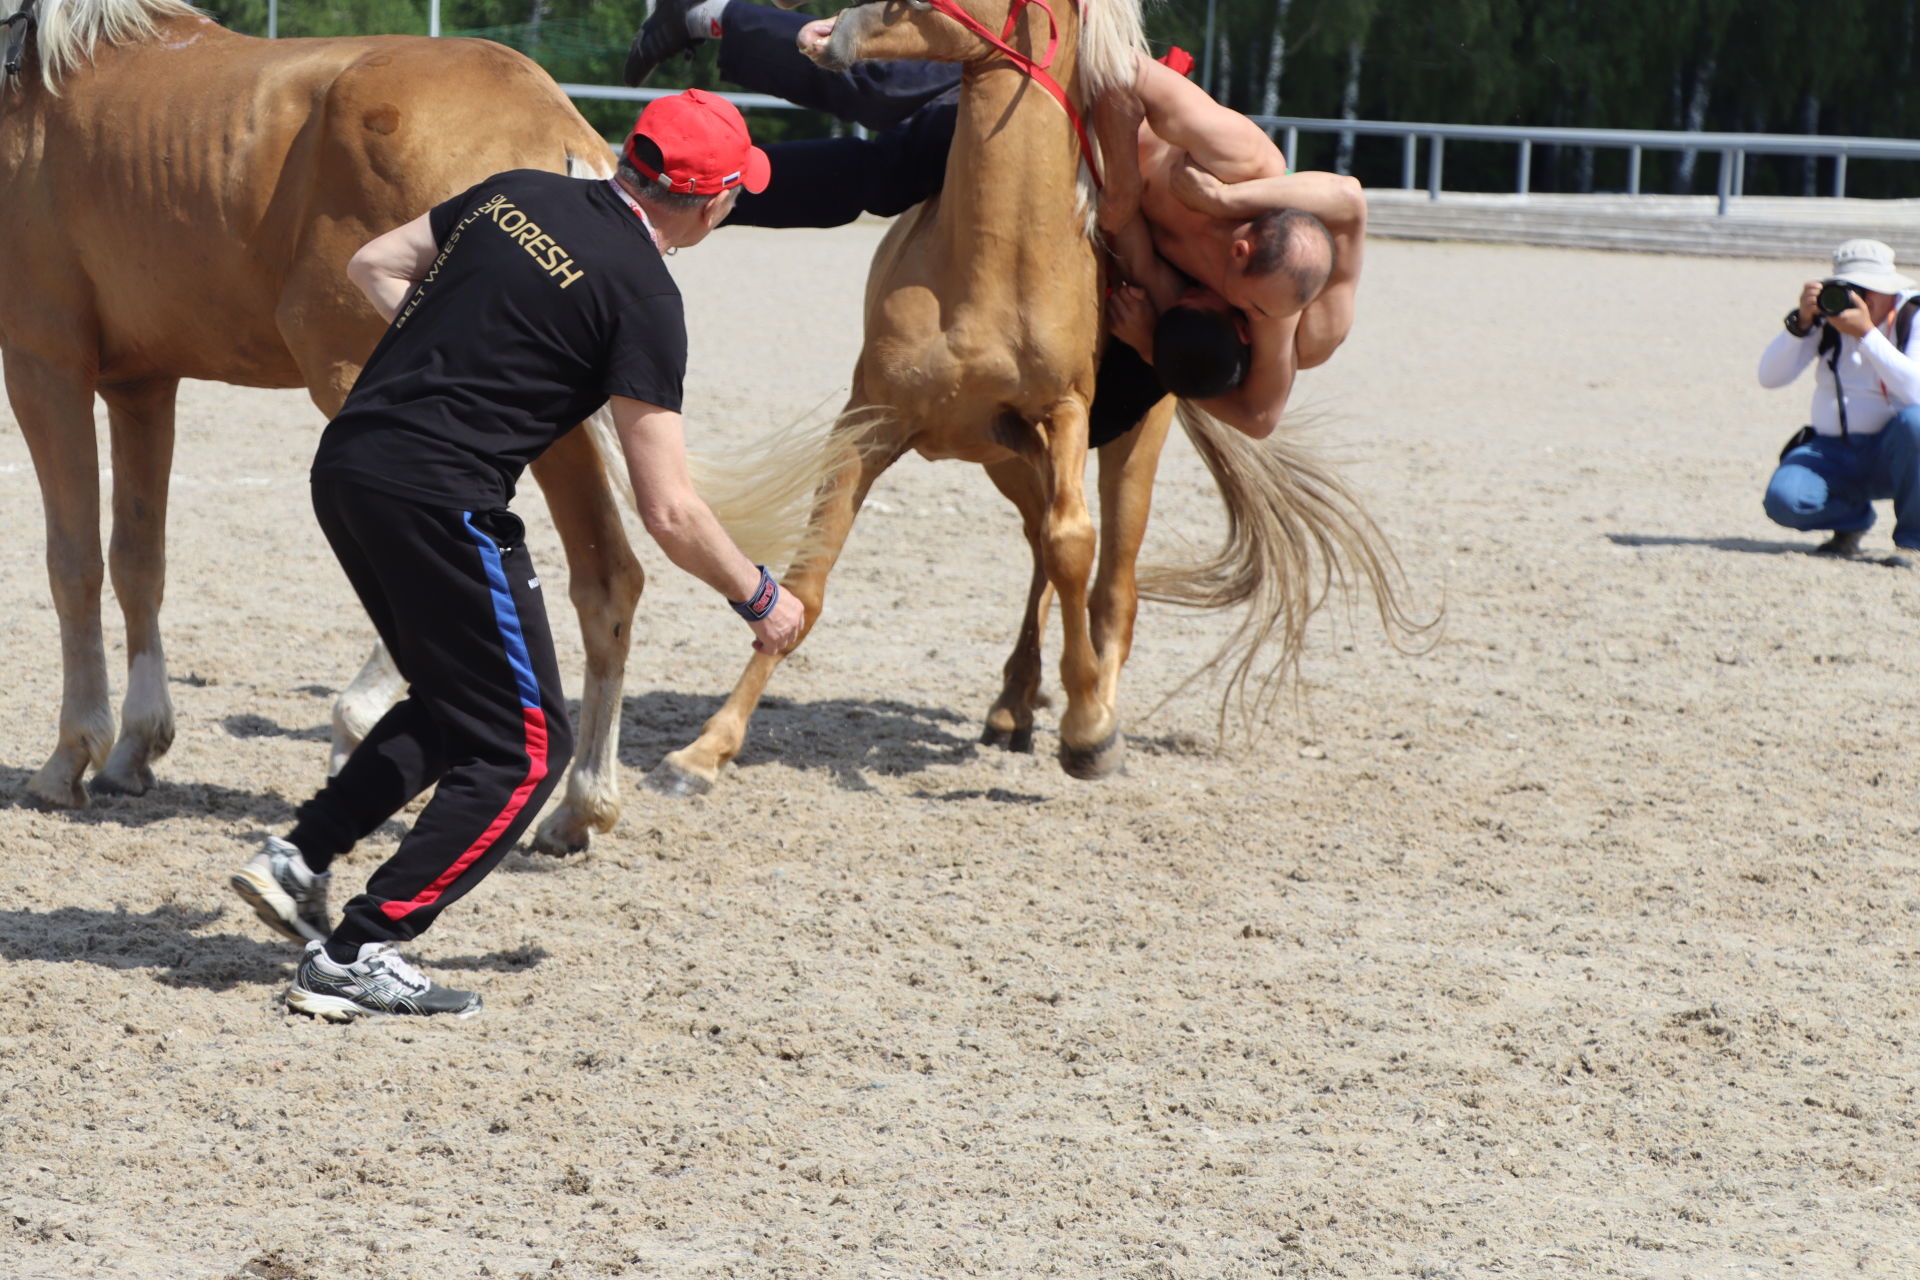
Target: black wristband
[
  {"x": 761, "y": 602},
  {"x": 1793, "y": 324}
]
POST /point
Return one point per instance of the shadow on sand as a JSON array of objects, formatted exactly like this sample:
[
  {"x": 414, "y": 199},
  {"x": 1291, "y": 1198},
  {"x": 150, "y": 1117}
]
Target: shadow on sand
[
  {"x": 169, "y": 941},
  {"x": 167, "y": 799},
  {"x": 846, "y": 738},
  {"x": 1751, "y": 546}
]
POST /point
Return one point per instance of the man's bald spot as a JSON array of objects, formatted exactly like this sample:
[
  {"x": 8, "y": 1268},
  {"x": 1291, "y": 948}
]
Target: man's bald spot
[{"x": 1294, "y": 242}]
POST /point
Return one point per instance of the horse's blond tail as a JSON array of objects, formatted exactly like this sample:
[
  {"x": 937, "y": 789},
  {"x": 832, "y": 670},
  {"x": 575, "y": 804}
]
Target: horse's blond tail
[
  {"x": 763, "y": 493},
  {"x": 1294, "y": 530}
]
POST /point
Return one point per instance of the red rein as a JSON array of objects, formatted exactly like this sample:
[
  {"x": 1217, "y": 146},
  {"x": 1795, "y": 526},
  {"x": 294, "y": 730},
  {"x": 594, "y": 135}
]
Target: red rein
[{"x": 1035, "y": 68}]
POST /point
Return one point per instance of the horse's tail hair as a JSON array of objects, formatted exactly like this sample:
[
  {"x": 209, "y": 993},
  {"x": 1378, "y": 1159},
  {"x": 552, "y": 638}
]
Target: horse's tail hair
[
  {"x": 763, "y": 494},
  {"x": 1294, "y": 530},
  {"x": 597, "y": 163}
]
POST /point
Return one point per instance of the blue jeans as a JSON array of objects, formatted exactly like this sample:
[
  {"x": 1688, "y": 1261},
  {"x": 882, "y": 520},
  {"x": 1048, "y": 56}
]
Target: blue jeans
[{"x": 1830, "y": 483}]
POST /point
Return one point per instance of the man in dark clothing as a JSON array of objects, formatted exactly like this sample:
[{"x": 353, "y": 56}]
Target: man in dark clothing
[{"x": 518, "y": 308}]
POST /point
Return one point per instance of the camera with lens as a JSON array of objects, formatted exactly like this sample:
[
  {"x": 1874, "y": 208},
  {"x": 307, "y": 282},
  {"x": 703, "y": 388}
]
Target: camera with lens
[{"x": 1834, "y": 297}]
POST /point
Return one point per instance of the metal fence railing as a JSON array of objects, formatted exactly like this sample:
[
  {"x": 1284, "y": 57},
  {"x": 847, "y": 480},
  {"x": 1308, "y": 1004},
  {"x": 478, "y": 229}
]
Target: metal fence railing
[{"x": 1732, "y": 148}]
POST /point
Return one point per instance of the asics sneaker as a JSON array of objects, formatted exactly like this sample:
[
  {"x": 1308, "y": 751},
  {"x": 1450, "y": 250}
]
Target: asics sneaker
[
  {"x": 282, "y": 891},
  {"x": 379, "y": 983}
]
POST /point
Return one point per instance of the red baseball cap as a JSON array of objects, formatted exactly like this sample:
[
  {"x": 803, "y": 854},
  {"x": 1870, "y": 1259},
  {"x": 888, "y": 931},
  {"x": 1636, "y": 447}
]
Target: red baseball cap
[{"x": 696, "y": 142}]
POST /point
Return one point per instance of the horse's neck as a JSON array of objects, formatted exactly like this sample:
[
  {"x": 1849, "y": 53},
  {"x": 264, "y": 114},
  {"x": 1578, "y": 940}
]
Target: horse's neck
[{"x": 1013, "y": 170}]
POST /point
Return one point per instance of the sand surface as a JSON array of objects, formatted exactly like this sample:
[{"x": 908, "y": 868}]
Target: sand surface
[{"x": 1583, "y": 944}]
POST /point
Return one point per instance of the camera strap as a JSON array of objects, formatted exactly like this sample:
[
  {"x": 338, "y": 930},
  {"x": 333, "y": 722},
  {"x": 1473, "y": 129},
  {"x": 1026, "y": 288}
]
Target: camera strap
[{"x": 1830, "y": 347}]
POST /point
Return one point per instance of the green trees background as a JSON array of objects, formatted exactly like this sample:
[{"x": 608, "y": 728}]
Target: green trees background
[{"x": 1763, "y": 66}]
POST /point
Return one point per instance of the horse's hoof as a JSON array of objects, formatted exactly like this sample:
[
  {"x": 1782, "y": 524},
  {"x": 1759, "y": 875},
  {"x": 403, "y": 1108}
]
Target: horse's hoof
[
  {"x": 560, "y": 840},
  {"x": 1020, "y": 740},
  {"x": 124, "y": 778},
  {"x": 137, "y": 783},
  {"x": 57, "y": 792},
  {"x": 1101, "y": 761},
  {"x": 669, "y": 779}
]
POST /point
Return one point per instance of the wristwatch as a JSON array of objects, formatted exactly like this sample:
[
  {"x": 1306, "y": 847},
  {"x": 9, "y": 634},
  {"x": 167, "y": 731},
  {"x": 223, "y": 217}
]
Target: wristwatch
[{"x": 1793, "y": 324}]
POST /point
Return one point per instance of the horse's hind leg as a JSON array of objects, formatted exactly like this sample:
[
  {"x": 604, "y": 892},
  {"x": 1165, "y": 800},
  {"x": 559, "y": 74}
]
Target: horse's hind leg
[
  {"x": 1127, "y": 468},
  {"x": 694, "y": 768},
  {"x": 1010, "y": 719},
  {"x": 55, "y": 410},
  {"x": 141, "y": 418},
  {"x": 605, "y": 581}
]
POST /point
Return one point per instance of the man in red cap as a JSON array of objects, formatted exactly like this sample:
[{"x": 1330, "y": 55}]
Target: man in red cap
[{"x": 517, "y": 308}]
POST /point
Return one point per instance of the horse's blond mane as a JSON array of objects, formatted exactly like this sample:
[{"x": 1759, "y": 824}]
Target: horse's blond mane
[
  {"x": 66, "y": 31},
  {"x": 1110, "y": 35}
]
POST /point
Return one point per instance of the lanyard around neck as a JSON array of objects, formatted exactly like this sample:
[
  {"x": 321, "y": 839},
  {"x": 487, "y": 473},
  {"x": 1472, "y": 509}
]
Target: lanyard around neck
[{"x": 638, "y": 212}]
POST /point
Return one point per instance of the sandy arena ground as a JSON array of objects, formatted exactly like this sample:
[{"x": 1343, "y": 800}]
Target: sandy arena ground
[{"x": 1582, "y": 945}]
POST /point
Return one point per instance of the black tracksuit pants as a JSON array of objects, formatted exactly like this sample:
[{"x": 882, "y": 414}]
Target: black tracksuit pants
[
  {"x": 455, "y": 597},
  {"x": 828, "y": 182}
]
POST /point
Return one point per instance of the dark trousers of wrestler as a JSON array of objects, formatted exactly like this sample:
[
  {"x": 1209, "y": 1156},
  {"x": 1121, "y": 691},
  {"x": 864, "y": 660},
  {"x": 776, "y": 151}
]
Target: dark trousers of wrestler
[
  {"x": 828, "y": 182},
  {"x": 457, "y": 600}
]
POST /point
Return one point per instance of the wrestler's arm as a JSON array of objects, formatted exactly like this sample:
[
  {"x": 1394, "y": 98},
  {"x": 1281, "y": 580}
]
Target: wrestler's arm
[
  {"x": 1218, "y": 138},
  {"x": 1337, "y": 201},
  {"x": 1254, "y": 407}
]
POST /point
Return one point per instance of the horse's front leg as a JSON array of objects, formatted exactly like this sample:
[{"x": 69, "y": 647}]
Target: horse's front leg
[
  {"x": 140, "y": 416},
  {"x": 1010, "y": 719},
  {"x": 605, "y": 581},
  {"x": 694, "y": 768},
  {"x": 1127, "y": 468},
  {"x": 55, "y": 410},
  {"x": 1090, "y": 741}
]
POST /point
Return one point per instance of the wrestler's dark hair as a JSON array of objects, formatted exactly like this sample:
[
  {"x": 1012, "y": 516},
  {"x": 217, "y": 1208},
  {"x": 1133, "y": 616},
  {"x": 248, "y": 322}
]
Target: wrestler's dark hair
[
  {"x": 1296, "y": 243},
  {"x": 1198, "y": 353}
]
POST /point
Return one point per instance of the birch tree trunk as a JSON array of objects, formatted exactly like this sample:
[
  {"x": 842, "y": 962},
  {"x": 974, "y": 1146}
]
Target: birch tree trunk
[
  {"x": 1809, "y": 165},
  {"x": 1276, "y": 60},
  {"x": 1349, "y": 106},
  {"x": 1696, "y": 120}
]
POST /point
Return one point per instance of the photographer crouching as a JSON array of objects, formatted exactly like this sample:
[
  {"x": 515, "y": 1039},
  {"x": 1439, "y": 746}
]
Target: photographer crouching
[{"x": 1864, "y": 441}]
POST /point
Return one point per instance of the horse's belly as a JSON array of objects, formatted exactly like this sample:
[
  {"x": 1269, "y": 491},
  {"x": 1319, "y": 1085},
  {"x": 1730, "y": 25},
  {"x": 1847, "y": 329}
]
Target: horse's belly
[{"x": 182, "y": 329}]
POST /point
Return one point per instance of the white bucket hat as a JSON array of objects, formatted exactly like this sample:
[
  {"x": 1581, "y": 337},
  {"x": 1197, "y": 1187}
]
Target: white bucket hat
[{"x": 1868, "y": 264}]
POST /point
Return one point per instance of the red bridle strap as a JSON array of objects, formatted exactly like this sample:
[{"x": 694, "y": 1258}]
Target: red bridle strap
[{"x": 1036, "y": 69}]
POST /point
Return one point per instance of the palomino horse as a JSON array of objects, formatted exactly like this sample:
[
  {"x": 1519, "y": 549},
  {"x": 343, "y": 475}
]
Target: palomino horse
[
  {"x": 982, "y": 330},
  {"x": 181, "y": 202}
]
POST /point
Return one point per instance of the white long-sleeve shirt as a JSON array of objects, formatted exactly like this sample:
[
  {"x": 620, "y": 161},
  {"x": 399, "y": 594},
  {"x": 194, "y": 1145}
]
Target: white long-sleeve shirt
[{"x": 1879, "y": 379}]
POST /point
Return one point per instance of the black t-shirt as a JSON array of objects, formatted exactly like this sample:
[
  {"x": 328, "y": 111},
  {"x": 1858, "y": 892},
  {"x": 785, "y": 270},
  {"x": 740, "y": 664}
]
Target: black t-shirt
[{"x": 548, "y": 296}]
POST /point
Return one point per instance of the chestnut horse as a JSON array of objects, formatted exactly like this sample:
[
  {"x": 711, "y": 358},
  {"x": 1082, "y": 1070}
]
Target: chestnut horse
[
  {"x": 983, "y": 327},
  {"x": 181, "y": 202}
]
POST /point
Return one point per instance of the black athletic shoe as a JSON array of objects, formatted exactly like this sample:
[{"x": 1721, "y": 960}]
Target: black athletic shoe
[
  {"x": 661, "y": 36},
  {"x": 377, "y": 984},
  {"x": 283, "y": 893},
  {"x": 1844, "y": 543}
]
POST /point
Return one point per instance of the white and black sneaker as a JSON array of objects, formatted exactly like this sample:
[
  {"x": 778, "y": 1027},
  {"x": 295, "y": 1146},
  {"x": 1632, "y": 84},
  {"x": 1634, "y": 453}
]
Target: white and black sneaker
[
  {"x": 377, "y": 984},
  {"x": 282, "y": 891}
]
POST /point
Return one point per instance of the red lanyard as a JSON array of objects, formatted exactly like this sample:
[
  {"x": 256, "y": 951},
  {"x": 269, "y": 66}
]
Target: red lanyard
[{"x": 638, "y": 212}]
